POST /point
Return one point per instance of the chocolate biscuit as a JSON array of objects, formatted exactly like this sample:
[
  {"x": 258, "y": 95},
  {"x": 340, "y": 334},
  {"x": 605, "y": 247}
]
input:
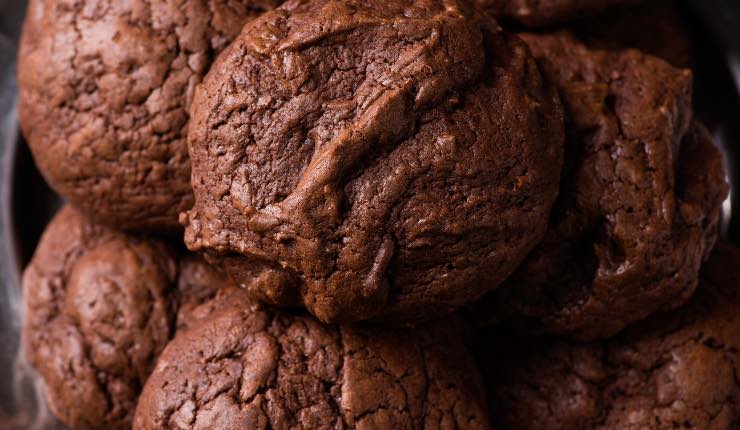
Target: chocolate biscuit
[
  {"x": 673, "y": 371},
  {"x": 373, "y": 159},
  {"x": 100, "y": 306},
  {"x": 245, "y": 367},
  {"x": 105, "y": 91},
  {"x": 98, "y": 310},
  {"x": 639, "y": 200}
]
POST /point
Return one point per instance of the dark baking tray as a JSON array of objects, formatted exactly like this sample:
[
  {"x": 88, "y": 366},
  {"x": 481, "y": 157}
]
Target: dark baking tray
[{"x": 26, "y": 203}]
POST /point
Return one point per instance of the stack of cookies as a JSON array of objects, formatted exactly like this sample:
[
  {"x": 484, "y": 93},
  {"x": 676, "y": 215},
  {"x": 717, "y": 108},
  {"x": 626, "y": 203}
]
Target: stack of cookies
[{"x": 376, "y": 214}]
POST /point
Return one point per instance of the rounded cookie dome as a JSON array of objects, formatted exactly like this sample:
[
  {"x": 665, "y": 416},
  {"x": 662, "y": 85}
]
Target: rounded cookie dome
[
  {"x": 639, "y": 201},
  {"x": 244, "y": 367},
  {"x": 105, "y": 90},
  {"x": 98, "y": 311},
  {"x": 370, "y": 159}
]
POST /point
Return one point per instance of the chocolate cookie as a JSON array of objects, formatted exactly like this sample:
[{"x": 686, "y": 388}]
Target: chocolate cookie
[
  {"x": 105, "y": 89},
  {"x": 100, "y": 306},
  {"x": 540, "y": 13},
  {"x": 244, "y": 367},
  {"x": 373, "y": 158},
  {"x": 673, "y": 371},
  {"x": 98, "y": 310},
  {"x": 639, "y": 199}
]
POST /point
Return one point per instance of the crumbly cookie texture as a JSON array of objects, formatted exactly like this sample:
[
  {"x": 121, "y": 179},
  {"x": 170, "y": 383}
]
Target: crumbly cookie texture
[
  {"x": 245, "y": 367},
  {"x": 98, "y": 310},
  {"x": 105, "y": 91},
  {"x": 543, "y": 13},
  {"x": 639, "y": 200},
  {"x": 675, "y": 370},
  {"x": 373, "y": 159},
  {"x": 100, "y": 306}
]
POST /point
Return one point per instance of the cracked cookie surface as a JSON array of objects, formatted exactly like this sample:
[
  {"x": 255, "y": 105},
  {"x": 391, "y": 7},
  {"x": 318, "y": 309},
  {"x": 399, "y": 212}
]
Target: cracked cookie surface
[
  {"x": 98, "y": 311},
  {"x": 373, "y": 159},
  {"x": 675, "y": 370},
  {"x": 105, "y": 91},
  {"x": 244, "y": 367},
  {"x": 639, "y": 200}
]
